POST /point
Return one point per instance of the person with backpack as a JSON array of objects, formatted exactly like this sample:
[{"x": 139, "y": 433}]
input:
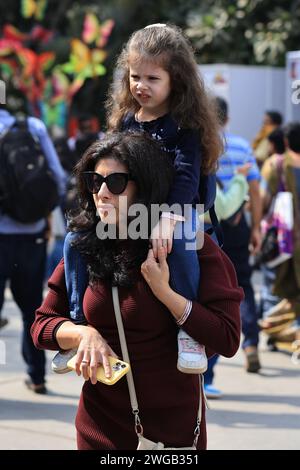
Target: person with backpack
[
  {"x": 31, "y": 183},
  {"x": 116, "y": 178},
  {"x": 229, "y": 208}
]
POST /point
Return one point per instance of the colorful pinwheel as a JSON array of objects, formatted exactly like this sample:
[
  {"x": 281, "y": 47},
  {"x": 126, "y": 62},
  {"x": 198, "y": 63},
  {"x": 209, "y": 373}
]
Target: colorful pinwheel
[
  {"x": 93, "y": 31},
  {"x": 50, "y": 87},
  {"x": 34, "y": 8},
  {"x": 83, "y": 63}
]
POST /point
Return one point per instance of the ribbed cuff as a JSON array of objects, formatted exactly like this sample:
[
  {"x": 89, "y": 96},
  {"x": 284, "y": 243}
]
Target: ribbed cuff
[{"x": 48, "y": 335}]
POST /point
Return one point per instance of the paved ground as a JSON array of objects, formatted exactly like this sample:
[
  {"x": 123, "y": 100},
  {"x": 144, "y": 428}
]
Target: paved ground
[{"x": 257, "y": 411}]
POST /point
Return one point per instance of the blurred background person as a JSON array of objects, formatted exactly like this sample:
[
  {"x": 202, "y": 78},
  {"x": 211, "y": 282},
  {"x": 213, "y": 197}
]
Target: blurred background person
[
  {"x": 272, "y": 120},
  {"x": 239, "y": 237},
  {"x": 267, "y": 299},
  {"x": 287, "y": 274},
  {"x": 229, "y": 207}
]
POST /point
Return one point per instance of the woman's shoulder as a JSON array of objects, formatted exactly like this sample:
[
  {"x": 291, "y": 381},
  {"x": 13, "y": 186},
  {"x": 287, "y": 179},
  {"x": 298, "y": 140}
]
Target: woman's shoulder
[
  {"x": 271, "y": 166},
  {"x": 209, "y": 247},
  {"x": 57, "y": 278},
  {"x": 215, "y": 264}
]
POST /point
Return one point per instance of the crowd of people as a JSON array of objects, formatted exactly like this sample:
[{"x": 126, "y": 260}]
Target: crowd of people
[{"x": 182, "y": 296}]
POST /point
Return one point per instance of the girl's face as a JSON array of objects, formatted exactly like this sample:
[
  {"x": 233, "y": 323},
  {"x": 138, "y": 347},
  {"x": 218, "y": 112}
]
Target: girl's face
[
  {"x": 113, "y": 208},
  {"x": 150, "y": 85}
]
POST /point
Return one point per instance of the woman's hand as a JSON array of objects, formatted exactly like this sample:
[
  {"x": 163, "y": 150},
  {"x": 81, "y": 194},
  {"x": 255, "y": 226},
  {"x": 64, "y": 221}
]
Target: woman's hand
[
  {"x": 156, "y": 274},
  {"x": 92, "y": 351}
]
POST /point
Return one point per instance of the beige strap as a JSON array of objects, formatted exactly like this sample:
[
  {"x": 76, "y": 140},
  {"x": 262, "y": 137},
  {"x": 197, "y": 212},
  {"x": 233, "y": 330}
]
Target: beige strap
[
  {"x": 129, "y": 376},
  {"x": 115, "y": 295}
]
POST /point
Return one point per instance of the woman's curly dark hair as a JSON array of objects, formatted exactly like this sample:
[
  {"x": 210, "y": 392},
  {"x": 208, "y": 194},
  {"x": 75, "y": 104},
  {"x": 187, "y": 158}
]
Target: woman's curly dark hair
[{"x": 114, "y": 260}]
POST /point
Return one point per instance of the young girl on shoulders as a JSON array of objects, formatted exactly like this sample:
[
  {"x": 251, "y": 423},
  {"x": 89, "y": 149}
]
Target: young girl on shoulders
[{"x": 158, "y": 89}]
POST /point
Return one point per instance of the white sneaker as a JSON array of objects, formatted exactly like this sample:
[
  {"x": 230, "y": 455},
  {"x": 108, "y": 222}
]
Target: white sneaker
[
  {"x": 59, "y": 363},
  {"x": 191, "y": 355}
]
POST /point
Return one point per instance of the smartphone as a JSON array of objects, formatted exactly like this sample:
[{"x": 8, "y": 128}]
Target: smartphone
[{"x": 118, "y": 369}]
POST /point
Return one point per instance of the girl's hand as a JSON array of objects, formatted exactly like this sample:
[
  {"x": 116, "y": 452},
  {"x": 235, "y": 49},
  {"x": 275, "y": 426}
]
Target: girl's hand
[
  {"x": 156, "y": 274},
  {"x": 162, "y": 235},
  {"x": 92, "y": 351}
]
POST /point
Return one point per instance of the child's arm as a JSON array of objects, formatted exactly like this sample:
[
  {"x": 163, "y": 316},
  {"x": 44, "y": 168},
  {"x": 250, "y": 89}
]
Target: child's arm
[
  {"x": 187, "y": 164},
  {"x": 184, "y": 190}
]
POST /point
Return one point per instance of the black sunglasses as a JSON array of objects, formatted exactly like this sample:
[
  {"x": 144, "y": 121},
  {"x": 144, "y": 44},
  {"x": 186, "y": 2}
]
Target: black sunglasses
[{"x": 116, "y": 182}]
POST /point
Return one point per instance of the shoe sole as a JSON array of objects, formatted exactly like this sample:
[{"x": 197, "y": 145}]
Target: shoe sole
[
  {"x": 61, "y": 371},
  {"x": 59, "y": 362},
  {"x": 253, "y": 368},
  {"x": 211, "y": 396},
  {"x": 189, "y": 370}
]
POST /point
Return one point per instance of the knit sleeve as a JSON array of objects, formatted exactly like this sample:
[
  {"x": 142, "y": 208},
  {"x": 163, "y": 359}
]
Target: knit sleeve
[
  {"x": 53, "y": 311},
  {"x": 215, "y": 319}
]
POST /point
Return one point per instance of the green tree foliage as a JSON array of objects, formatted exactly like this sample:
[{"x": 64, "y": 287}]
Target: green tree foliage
[
  {"x": 240, "y": 31},
  {"x": 65, "y": 19},
  {"x": 245, "y": 31}
]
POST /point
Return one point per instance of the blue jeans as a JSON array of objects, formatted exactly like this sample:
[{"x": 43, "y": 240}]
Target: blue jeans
[
  {"x": 183, "y": 259},
  {"x": 268, "y": 299},
  {"x": 209, "y": 373},
  {"x": 236, "y": 242},
  {"x": 22, "y": 262},
  {"x": 76, "y": 278},
  {"x": 55, "y": 256},
  {"x": 184, "y": 267}
]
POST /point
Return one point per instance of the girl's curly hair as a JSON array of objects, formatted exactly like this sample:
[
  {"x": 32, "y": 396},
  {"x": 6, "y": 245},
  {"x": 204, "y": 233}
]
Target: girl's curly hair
[{"x": 190, "y": 104}]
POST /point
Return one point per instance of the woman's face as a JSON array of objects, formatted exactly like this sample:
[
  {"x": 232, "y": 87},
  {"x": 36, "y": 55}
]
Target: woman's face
[{"x": 113, "y": 208}]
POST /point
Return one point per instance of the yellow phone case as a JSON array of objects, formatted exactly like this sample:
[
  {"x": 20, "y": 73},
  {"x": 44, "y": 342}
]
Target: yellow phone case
[{"x": 118, "y": 367}]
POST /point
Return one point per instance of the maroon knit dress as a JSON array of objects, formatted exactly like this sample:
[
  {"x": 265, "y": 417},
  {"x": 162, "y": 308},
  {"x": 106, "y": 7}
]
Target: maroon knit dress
[{"x": 168, "y": 399}]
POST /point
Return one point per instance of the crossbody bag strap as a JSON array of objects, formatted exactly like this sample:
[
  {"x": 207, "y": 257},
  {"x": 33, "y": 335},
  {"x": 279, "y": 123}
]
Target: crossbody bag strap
[{"x": 129, "y": 376}]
